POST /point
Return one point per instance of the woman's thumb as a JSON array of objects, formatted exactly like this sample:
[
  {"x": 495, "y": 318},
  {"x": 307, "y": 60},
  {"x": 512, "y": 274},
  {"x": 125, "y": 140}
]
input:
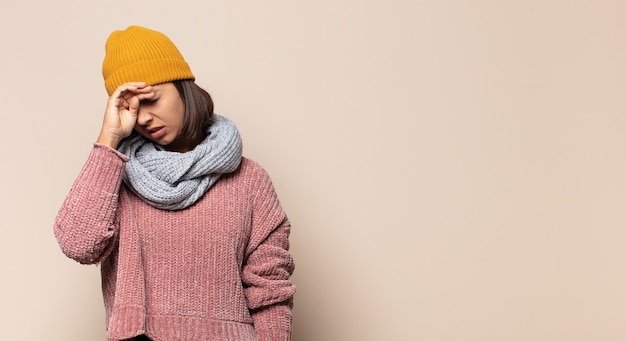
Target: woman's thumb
[{"x": 133, "y": 105}]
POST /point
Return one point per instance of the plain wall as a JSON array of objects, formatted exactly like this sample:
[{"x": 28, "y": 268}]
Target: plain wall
[{"x": 454, "y": 170}]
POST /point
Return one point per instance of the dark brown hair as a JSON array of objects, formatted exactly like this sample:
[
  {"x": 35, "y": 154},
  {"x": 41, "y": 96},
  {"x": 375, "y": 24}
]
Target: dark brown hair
[{"x": 198, "y": 115}]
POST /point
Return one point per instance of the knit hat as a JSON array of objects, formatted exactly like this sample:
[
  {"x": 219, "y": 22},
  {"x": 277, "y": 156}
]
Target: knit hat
[{"x": 139, "y": 54}]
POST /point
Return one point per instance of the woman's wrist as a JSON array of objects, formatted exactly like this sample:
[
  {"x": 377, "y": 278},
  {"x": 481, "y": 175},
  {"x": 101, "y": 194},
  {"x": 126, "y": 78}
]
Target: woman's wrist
[{"x": 108, "y": 140}]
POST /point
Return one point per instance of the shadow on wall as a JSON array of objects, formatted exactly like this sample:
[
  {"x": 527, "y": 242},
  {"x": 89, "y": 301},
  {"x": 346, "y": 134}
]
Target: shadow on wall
[
  {"x": 313, "y": 302},
  {"x": 307, "y": 323}
]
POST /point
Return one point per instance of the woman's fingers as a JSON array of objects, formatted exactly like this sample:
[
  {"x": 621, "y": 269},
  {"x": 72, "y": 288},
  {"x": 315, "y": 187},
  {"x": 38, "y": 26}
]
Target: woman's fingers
[
  {"x": 121, "y": 112},
  {"x": 122, "y": 96},
  {"x": 133, "y": 105},
  {"x": 132, "y": 102},
  {"x": 127, "y": 90},
  {"x": 133, "y": 86}
]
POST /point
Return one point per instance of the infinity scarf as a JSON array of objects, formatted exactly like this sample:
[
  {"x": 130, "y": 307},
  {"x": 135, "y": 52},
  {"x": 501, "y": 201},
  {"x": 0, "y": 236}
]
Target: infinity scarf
[{"x": 172, "y": 180}]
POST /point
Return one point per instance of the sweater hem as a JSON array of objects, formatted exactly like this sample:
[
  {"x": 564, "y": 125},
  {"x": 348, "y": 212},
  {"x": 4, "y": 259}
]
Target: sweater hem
[
  {"x": 172, "y": 327},
  {"x": 126, "y": 322}
]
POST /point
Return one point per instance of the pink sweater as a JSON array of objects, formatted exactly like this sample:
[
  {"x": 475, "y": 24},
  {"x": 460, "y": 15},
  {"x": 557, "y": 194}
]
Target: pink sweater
[{"x": 218, "y": 270}]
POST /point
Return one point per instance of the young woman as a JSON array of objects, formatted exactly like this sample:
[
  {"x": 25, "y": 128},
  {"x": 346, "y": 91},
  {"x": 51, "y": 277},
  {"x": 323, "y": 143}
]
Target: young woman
[{"x": 191, "y": 237}]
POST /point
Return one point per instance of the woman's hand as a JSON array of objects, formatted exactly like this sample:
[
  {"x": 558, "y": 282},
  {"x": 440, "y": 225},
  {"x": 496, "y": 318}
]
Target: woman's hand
[{"x": 121, "y": 112}]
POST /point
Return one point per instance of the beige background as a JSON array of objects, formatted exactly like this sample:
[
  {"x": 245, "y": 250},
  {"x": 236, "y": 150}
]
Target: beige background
[{"x": 454, "y": 170}]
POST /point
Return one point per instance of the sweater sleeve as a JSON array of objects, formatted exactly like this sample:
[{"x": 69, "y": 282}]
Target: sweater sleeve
[
  {"x": 85, "y": 226},
  {"x": 269, "y": 265}
]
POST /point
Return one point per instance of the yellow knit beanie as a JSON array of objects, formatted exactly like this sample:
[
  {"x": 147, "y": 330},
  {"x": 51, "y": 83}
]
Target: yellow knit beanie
[{"x": 139, "y": 54}]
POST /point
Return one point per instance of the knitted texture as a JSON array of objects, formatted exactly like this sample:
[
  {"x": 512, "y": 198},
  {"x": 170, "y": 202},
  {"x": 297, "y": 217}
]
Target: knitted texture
[
  {"x": 218, "y": 270},
  {"x": 173, "y": 181},
  {"x": 139, "y": 54}
]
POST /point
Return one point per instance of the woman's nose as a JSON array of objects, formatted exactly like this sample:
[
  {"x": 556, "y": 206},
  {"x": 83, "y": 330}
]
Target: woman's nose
[{"x": 143, "y": 116}]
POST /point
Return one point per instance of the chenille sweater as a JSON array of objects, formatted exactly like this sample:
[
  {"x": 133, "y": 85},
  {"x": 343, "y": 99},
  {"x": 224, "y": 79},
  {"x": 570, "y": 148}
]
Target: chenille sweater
[{"x": 217, "y": 270}]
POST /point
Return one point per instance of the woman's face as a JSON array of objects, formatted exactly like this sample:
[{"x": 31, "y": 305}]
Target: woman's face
[{"x": 160, "y": 119}]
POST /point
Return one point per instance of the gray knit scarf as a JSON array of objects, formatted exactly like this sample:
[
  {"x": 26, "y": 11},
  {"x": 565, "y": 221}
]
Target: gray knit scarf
[{"x": 173, "y": 181}]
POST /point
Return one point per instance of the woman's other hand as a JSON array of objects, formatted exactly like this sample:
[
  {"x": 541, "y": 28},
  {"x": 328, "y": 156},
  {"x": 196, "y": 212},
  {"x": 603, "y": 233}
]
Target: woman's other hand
[{"x": 121, "y": 112}]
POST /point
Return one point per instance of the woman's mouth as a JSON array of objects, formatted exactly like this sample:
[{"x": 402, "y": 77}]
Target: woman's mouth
[{"x": 156, "y": 133}]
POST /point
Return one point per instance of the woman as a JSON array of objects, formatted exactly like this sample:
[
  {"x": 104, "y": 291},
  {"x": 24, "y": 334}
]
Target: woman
[{"x": 191, "y": 236}]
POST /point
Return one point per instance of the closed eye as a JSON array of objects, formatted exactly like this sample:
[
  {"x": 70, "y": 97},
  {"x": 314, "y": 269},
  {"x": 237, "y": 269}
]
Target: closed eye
[{"x": 148, "y": 101}]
